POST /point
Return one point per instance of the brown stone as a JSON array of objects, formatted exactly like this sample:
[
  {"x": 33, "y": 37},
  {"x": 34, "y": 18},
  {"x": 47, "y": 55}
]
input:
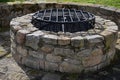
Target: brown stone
[
  {"x": 50, "y": 39},
  {"x": 53, "y": 58},
  {"x": 22, "y": 51},
  {"x": 109, "y": 38},
  {"x": 62, "y": 40},
  {"x": 67, "y": 67},
  {"x": 51, "y": 66},
  {"x": 77, "y": 41},
  {"x": 15, "y": 28},
  {"x": 35, "y": 54},
  {"x": 20, "y": 36},
  {"x": 31, "y": 62},
  {"x": 93, "y": 59},
  {"x": 47, "y": 48}
]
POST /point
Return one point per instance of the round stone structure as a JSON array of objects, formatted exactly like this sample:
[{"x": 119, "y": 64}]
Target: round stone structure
[{"x": 65, "y": 52}]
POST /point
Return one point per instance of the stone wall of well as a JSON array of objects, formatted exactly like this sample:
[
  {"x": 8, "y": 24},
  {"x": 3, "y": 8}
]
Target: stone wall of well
[
  {"x": 9, "y": 11},
  {"x": 64, "y": 52}
]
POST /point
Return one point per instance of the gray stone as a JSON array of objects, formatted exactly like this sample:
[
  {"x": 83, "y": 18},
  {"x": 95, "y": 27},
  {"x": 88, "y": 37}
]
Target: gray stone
[
  {"x": 67, "y": 67},
  {"x": 51, "y": 76},
  {"x": 93, "y": 59},
  {"x": 58, "y": 51},
  {"x": 112, "y": 27},
  {"x": 94, "y": 38},
  {"x": 39, "y": 55},
  {"x": 110, "y": 23},
  {"x": 77, "y": 41},
  {"x": 20, "y": 36},
  {"x": 73, "y": 61},
  {"x": 51, "y": 66},
  {"x": 63, "y": 52},
  {"x": 50, "y": 39},
  {"x": 47, "y": 48},
  {"x": 32, "y": 40},
  {"x": 22, "y": 51},
  {"x": 12, "y": 35},
  {"x": 62, "y": 40},
  {"x": 68, "y": 52},
  {"x": 53, "y": 58},
  {"x": 31, "y": 62}
]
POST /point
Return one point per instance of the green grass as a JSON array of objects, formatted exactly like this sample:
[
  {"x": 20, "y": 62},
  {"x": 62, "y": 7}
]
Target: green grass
[{"x": 115, "y": 3}]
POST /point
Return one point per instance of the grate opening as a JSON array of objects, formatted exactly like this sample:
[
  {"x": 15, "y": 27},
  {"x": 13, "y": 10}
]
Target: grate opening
[{"x": 65, "y": 20}]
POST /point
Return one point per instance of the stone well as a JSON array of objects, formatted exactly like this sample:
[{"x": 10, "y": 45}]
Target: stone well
[{"x": 65, "y": 52}]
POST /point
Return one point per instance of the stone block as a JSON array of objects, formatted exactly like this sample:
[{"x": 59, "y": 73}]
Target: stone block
[
  {"x": 22, "y": 51},
  {"x": 62, "y": 40},
  {"x": 15, "y": 28},
  {"x": 51, "y": 66},
  {"x": 18, "y": 58},
  {"x": 33, "y": 39},
  {"x": 109, "y": 38},
  {"x": 31, "y": 62},
  {"x": 63, "y": 52},
  {"x": 93, "y": 59},
  {"x": 36, "y": 54},
  {"x": 110, "y": 23},
  {"x": 47, "y": 48},
  {"x": 72, "y": 68},
  {"x": 20, "y": 36},
  {"x": 50, "y": 39},
  {"x": 77, "y": 41},
  {"x": 94, "y": 38},
  {"x": 73, "y": 61},
  {"x": 53, "y": 58},
  {"x": 12, "y": 35}
]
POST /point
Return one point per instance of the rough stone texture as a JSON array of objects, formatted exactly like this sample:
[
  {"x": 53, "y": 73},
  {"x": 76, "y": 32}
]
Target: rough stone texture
[
  {"x": 77, "y": 41},
  {"x": 64, "y": 52},
  {"x": 32, "y": 40},
  {"x": 62, "y": 40},
  {"x": 39, "y": 55},
  {"x": 93, "y": 59},
  {"x": 51, "y": 66},
  {"x": 31, "y": 62},
  {"x": 53, "y": 58},
  {"x": 20, "y": 36},
  {"x": 22, "y": 51},
  {"x": 47, "y": 48},
  {"x": 50, "y": 39},
  {"x": 10, "y": 70},
  {"x": 67, "y": 67}
]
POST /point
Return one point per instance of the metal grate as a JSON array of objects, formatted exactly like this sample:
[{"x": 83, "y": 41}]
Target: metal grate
[{"x": 65, "y": 20}]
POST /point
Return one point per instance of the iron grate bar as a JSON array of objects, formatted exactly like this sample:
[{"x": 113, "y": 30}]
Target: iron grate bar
[
  {"x": 44, "y": 15},
  {"x": 57, "y": 15},
  {"x": 70, "y": 15},
  {"x": 83, "y": 15},
  {"x": 50, "y": 15},
  {"x": 66, "y": 20},
  {"x": 63, "y": 15},
  {"x": 63, "y": 26},
  {"x": 76, "y": 15},
  {"x": 89, "y": 15}
]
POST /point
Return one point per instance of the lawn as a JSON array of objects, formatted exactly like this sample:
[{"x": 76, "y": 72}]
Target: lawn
[{"x": 115, "y": 3}]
